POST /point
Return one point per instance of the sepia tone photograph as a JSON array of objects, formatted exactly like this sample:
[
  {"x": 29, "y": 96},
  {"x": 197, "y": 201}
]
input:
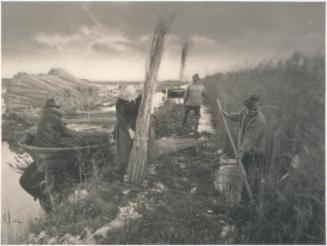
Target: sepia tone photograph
[{"x": 163, "y": 123}]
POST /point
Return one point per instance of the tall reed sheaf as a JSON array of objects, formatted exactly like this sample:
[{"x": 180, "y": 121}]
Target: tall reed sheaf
[{"x": 291, "y": 206}]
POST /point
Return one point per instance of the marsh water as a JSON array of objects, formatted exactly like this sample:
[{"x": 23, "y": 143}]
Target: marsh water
[{"x": 18, "y": 208}]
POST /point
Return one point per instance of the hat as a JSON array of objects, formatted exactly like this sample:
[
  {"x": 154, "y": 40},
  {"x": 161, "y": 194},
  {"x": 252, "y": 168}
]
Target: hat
[
  {"x": 51, "y": 103},
  {"x": 251, "y": 100},
  {"x": 129, "y": 93},
  {"x": 196, "y": 77}
]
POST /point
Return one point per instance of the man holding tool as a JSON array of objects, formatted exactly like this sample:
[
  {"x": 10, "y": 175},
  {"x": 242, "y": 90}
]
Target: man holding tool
[{"x": 251, "y": 139}]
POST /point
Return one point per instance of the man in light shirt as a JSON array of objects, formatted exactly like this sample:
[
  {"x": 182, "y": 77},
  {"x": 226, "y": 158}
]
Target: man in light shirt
[{"x": 193, "y": 99}]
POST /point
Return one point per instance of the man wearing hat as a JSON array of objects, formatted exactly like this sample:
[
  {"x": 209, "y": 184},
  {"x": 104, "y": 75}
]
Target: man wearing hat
[
  {"x": 193, "y": 99},
  {"x": 251, "y": 138},
  {"x": 51, "y": 131}
]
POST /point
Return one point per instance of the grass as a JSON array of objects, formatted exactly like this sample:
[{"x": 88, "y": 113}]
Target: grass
[
  {"x": 292, "y": 91},
  {"x": 177, "y": 202}
]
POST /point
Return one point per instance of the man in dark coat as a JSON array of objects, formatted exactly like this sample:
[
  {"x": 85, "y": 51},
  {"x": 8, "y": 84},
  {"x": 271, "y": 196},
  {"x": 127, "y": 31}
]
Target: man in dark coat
[
  {"x": 127, "y": 107},
  {"x": 52, "y": 132},
  {"x": 251, "y": 139}
]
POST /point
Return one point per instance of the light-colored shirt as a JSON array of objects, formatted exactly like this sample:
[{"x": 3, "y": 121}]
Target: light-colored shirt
[{"x": 194, "y": 94}]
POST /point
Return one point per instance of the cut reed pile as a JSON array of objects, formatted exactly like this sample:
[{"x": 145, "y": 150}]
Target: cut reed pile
[
  {"x": 25, "y": 91},
  {"x": 293, "y": 92}
]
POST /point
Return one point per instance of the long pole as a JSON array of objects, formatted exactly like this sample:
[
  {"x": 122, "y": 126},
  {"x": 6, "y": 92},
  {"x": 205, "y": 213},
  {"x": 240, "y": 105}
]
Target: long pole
[{"x": 235, "y": 151}]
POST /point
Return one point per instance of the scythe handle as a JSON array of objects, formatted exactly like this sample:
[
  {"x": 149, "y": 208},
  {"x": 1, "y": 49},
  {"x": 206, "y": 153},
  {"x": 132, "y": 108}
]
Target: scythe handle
[{"x": 235, "y": 151}]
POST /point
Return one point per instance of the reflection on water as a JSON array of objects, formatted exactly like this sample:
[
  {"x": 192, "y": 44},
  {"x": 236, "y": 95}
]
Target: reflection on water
[
  {"x": 17, "y": 207},
  {"x": 205, "y": 123}
]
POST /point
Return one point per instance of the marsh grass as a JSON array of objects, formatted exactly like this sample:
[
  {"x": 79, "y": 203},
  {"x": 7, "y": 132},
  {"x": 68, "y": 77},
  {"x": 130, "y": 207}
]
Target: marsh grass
[{"x": 290, "y": 210}]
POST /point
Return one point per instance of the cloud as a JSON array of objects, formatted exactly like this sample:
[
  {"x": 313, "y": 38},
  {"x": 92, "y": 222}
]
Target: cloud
[
  {"x": 89, "y": 37},
  {"x": 93, "y": 39}
]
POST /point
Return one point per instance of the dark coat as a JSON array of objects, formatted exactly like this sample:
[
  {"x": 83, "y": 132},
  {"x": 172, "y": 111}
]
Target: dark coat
[
  {"x": 52, "y": 132},
  {"x": 251, "y": 137},
  {"x": 126, "y": 114}
]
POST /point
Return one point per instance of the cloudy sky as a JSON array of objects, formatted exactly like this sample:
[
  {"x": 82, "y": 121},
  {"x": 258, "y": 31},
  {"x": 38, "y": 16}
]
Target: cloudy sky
[{"x": 111, "y": 40}]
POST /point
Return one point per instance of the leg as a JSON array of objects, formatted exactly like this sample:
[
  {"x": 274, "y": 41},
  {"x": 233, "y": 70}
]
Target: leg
[
  {"x": 197, "y": 117},
  {"x": 246, "y": 161},
  {"x": 186, "y": 112}
]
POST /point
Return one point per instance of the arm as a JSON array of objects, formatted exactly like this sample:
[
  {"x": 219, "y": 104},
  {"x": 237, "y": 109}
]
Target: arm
[
  {"x": 60, "y": 125},
  {"x": 234, "y": 116},
  {"x": 203, "y": 91}
]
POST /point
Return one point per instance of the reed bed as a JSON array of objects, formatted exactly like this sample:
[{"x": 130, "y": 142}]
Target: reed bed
[{"x": 291, "y": 207}]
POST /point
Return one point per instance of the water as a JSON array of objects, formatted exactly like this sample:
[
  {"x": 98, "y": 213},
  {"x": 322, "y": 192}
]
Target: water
[
  {"x": 17, "y": 207},
  {"x": 205, "y": 124},
  {"x": 20, "y": 205}
]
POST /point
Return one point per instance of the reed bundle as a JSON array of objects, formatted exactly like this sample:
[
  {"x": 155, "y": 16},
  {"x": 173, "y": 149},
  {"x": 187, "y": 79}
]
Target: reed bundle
[
  {"x": 229, "y": 182},
  {"x": 183, "y": 61},
  {"x": 174, "y": 144},
  {"x": 138, "y": 156}
]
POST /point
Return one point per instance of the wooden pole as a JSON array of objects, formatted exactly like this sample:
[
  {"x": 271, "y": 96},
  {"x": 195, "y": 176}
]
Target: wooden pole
[
  {"x": 235, "y": 151},
  {"x": 138, "y": 156}
]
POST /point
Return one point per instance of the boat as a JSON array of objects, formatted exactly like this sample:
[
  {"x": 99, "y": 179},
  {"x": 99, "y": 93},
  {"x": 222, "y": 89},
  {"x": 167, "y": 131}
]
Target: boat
[
  {"x": 175, "y": 92},
  {"x": 48, "y": 157}
]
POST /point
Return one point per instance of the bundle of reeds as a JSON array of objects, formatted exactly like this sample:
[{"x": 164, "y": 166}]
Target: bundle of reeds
[
  {"x": 229, "y": 182},
  {"x": 173, "y": 144},
  {"x": 183, "y": 60},
  {"x": 138, "y": 157}
]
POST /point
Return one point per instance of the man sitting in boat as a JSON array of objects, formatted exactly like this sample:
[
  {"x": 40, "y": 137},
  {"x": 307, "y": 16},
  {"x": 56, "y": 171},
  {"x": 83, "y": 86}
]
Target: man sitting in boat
[
  {"x": 62, "y": 166},
  {"x": 52, "y": 132}
]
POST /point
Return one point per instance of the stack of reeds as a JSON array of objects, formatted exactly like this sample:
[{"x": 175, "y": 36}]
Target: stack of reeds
[{"x": 26, "y": 90}]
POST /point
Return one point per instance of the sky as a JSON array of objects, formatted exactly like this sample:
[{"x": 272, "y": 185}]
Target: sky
[{"x": 111, "y": 40}]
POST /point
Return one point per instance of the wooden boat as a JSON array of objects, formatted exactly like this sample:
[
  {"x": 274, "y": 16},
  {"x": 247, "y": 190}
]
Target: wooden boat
[
  {"x": 175, "y": 92},
  {"x": 48, "y": 157}
]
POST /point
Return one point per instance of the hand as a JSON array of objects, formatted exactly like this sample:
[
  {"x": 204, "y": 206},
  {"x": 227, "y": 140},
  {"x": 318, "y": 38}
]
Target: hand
[
  {"x": 240, "y": 156},
  {"x": 131, "y": 133},
  {"x": 224, "y": 113}
]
